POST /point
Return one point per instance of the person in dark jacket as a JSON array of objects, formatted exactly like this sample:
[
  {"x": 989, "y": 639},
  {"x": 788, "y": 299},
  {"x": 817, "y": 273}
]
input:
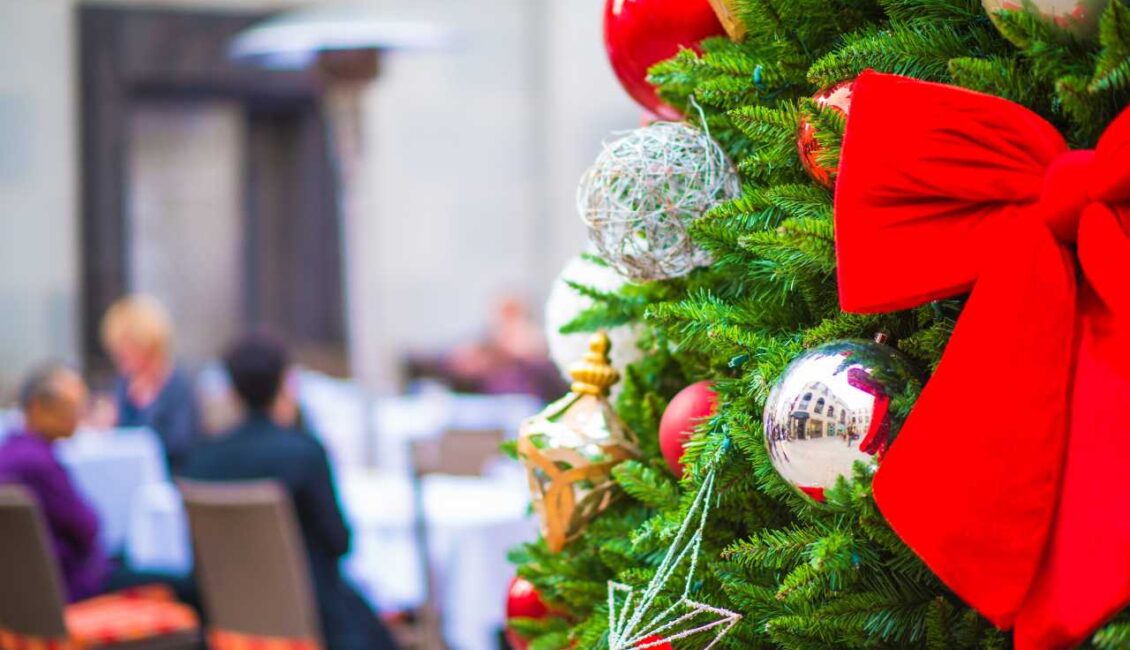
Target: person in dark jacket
[
  {"x": 262, "y": 448},
  {"x": 151, "y": 390}
]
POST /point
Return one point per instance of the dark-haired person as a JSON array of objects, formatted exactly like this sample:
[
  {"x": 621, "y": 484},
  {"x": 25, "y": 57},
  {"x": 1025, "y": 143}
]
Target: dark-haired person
[
  {"x": 261, "y": 448},
  {"x": 53, "y": 399}
]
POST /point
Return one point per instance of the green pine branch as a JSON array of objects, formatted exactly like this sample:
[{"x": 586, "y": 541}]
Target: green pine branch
[{"x": 804, "y": 575}]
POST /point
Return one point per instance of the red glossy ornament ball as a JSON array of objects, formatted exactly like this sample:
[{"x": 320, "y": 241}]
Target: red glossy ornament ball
[
  {"x": 640, "y": 33},
  {"x": 838, "y": 98},
  {"x": 522, "y": 601},
  {"x": 692, "y": 405},
  {"x": 654, "y": 643}
]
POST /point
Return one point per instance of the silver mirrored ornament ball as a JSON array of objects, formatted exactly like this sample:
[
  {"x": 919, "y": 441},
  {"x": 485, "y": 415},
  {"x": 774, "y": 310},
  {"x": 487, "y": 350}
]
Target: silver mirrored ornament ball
[
  {"x": 831, "y": 408},
  {"x": 645, "y": 189}
]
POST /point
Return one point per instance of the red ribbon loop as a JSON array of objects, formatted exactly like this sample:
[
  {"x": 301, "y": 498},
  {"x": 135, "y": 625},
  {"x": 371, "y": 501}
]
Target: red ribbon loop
[{"x": 1001, "y": 478}]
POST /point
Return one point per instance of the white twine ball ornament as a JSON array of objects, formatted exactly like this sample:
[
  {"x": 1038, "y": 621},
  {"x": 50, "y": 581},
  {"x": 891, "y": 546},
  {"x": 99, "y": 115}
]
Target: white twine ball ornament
[
  {"x": 645, "y": 189},
  {"x": 565, "y": 303}
]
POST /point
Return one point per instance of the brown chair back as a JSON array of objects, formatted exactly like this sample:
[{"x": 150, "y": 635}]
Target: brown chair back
[
  {"x": 250, "y": 562},
  {"x": 31, "y": 600},
  {"x": 459, "y": 452},
  {"x": 462, "y": 452}
]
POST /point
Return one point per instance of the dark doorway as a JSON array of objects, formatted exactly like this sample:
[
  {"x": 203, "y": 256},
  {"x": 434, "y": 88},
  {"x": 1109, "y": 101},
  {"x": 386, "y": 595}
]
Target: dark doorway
[
  {"x": 290, "y": 276},
  {"x": 293, "y": 264}
]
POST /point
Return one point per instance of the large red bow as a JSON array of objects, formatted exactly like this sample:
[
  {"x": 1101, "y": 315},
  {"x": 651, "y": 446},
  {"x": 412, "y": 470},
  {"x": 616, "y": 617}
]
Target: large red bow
[{"x": 1011, "y": 477}]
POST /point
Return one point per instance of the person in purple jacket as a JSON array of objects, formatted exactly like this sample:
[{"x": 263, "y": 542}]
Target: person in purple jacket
[{"x": 53, "y": 399}]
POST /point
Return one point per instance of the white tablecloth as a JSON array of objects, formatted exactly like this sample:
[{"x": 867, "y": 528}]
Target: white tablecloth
[
  {"x": 338, "y": 412},
  {"x": 400, "y": 420},
  {"x": 473, "y": 522},
  {"x": 110, "y": 468},
  {"x": 10, "y": 420}
]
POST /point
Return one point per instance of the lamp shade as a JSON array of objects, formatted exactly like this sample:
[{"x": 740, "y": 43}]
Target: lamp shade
[{"x": 294, "y": 39}]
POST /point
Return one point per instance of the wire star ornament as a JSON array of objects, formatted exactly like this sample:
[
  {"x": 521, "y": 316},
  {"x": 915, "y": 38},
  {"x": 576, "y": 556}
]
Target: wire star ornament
[{"x": 632, "y": 622}]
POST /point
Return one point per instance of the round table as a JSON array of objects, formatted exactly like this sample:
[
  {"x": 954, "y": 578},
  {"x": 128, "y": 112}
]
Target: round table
[{"x": 110, "y": 468}]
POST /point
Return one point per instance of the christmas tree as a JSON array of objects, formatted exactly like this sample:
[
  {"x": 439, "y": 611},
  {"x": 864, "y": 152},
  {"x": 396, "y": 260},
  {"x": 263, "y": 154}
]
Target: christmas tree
[{"x": 803, "y": 573}]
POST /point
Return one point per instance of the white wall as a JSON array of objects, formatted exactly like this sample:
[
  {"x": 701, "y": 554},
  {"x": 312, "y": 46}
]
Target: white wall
[
  {"x": 586, "y": 105},
  {"x": 448, "y": 217},
  {"x": 38, "y": 186},
  {"x": 472, "y": 158}
]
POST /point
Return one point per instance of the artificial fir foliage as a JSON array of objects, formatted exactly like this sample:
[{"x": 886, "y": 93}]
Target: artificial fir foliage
[{"x": 804, "y": 575}]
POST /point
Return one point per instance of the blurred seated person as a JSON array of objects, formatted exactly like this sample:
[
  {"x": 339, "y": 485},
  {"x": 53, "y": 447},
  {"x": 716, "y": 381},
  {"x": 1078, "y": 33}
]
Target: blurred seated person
[
  {"x": 267, "y": 446},
  {"x": 151, "y": 391},
  {"x": 512, "y": 358},
  {"x": 53, "y": 399}
]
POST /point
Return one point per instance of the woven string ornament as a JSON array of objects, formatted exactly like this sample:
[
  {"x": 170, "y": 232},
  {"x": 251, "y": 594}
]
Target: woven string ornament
[
  {"x": 570, "y": 448},
  {"x": 643, "y": 191}
]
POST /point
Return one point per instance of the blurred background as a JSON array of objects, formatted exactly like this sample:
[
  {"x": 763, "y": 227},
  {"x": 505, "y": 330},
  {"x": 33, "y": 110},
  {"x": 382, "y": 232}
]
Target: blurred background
[
  {"x": 387, "y": 186},
  {"x": 370, "y": 208}
]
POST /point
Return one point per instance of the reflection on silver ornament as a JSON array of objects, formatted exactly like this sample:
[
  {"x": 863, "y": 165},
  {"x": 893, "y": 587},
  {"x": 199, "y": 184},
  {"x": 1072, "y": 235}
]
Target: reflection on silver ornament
[
  {"x": 831, "y": 408},
  {"x": 1080, "y": 17}
]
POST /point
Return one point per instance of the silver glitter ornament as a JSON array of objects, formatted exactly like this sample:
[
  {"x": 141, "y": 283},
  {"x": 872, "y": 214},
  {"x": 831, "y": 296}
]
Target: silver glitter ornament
[
  {"x": 831, "y": 408},
  {"x": 643, "y": 191}
]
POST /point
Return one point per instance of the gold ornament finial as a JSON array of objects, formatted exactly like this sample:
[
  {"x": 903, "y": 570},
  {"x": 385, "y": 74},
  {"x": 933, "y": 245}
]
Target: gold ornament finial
[{"x": 594, "y": 375}]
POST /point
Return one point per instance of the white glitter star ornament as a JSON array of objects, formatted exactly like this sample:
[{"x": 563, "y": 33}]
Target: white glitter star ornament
[{"x": 632, "y": 622}]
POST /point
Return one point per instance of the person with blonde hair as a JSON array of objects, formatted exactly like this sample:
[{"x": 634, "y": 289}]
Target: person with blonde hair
[{"x": 152, "y": 391}]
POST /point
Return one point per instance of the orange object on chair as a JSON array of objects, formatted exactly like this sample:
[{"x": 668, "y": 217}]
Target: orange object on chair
[
  {"x": 120, "y": 617},
  {"x": 224, "y": 640},
  {"x": 128, "y": 616},
  {"x": 11, "y": 641},
  {"x": 36, "y": 618}
]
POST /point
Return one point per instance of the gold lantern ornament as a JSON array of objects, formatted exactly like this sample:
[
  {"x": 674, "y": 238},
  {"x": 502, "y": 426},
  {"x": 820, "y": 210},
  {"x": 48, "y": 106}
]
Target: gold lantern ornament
[
  {"x": 727, "y": 11},
  {"x": 570, "y": 448}
]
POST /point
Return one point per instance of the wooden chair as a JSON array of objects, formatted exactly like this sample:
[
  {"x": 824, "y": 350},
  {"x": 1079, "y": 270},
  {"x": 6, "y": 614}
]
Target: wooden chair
[
  {"x": 251, "y": 567},
  {"x": 458, "y": 452},
  {"x": 455, "y": 453},
  {"x": 33, "y": 612}
]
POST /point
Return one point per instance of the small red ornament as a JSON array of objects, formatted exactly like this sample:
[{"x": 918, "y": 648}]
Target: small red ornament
[
  {"x": 656, "y": 643},
  {"x": 838, "y": 97},
  {"x": 692, "y": 405},
  {"x": 522, "y": 601},
  {"x": 640, "y": 33}
]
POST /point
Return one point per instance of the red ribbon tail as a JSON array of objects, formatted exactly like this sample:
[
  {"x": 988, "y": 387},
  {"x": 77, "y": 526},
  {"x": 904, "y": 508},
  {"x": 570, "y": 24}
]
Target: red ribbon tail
[
  {"x": 1086, "y": 576},
  {"x": 971, "y": 483}
]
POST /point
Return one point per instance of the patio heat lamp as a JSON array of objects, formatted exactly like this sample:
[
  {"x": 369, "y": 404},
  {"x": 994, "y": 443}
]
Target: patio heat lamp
[{"x": 341, "y": 44}]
